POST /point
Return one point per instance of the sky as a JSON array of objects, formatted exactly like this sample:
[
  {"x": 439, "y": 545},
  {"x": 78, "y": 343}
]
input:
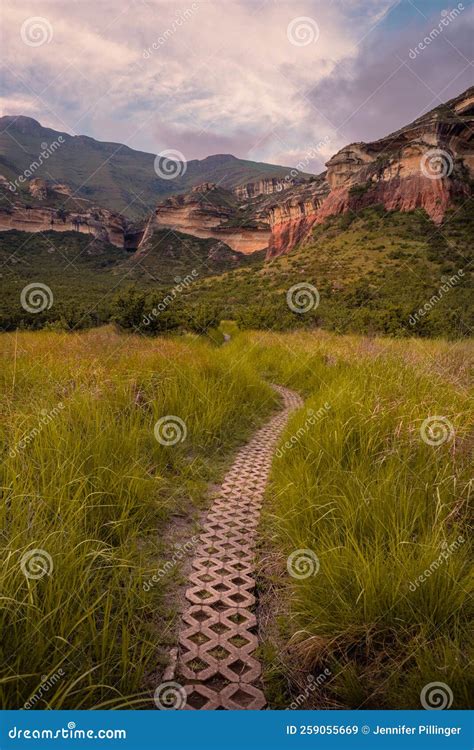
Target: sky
[{"x": 282, "y": 82}]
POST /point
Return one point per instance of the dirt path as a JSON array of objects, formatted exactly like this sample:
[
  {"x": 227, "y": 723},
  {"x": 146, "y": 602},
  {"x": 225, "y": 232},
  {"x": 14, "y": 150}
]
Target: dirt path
[{"x": 216, "y": 662}]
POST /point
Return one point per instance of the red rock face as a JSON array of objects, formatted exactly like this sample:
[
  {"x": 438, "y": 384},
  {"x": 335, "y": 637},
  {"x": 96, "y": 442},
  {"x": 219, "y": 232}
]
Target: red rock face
[
  {"x": 398, "y": 172},
  {"x": 406, "y": 194},
  {"x": 292, "y": 216},
  {"x": 291, "y": 225},
  {"x": 397, "y": 194},
  {"x": 286, "y": 235}
]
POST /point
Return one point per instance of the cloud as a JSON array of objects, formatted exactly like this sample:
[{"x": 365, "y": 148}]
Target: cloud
[
  {"x": 211, "y": 76},
  {"x": 386, "y": 88}
]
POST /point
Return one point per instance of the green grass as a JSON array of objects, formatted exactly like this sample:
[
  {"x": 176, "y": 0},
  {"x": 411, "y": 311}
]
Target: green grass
[
  {"x": 373, "y": 271},
  {"x": 358, "y": 487},
  {"x": 84, "y": 479},
  {"x": 86, "y": 276},
  {"x": 92, "y": 487}
]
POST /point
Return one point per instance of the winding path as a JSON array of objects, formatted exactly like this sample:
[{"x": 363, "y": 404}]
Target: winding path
[{"x": 217, "y": 641}]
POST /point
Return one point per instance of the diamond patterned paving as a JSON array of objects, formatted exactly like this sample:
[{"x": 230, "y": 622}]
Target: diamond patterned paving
[{"x": 217, "y": 640}]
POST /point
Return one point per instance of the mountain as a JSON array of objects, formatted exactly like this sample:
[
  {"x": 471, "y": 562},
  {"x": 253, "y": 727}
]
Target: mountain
[
  {"x": 427, "y": 164},
  {"x": 375, "y": 272},
  {"x": 112, "y": 174},
  {"x": 384, "y": 231}
]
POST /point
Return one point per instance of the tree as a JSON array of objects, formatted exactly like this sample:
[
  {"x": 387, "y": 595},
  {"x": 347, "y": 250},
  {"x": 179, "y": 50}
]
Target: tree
[
  {"x": 202, "y": 317},
  {"x": 129, "y": 309}
]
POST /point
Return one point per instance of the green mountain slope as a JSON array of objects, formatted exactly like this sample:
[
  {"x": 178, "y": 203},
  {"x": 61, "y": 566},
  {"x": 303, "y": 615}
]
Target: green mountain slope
[
  {"x": 379, "y": 272},
  {"x": 374, "y": 273},
  {"x": 112, "y": 174},
  {"x": 86, "y": 275}
]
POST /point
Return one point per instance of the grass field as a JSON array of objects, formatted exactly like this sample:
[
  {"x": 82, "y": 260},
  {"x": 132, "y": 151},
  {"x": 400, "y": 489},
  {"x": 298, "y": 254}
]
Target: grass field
[
  {"x": 374, "y": 478},
  {"x": 85, "y": 480},
  {"x": 375, "y": 493},
  {"x": 373, "y": 271}
]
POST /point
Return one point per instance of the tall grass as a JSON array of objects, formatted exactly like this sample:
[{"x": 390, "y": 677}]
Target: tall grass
[
  {"x": 91, "y": 486},
  {"x": 378, "y": 506},
  {"x": 85, "y": 480}
]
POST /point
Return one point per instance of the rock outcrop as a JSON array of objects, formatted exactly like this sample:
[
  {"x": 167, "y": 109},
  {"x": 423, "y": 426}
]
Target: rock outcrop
[
  {"x": 48, "y": 211},
  {"x": 209, "y": 212},
  {"x": 293, "y": 216},
  {"x": 262, "y": 187},
  {"x": 427, "y": 164},
  {"x": 98, "y": 223}
]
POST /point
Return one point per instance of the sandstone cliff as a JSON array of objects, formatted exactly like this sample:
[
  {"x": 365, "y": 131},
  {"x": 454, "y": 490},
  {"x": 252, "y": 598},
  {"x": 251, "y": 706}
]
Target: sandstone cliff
[
  {"x": 41, "y": 208},
  {"x": 427, "y": 164},
  {"x": 210, "y": 212},
  {"x": 292, "y": 217},
  {"x": 262, "y": 187}
]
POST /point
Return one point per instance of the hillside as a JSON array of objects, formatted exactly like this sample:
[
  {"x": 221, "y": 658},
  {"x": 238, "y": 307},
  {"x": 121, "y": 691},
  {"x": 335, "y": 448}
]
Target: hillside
[
  {"x": 373, "y": 272},
  {"x": 427, "y": 164},
  {"x": 384, "y": 233},
  {"x": 112, "y": 174},
  {"x": 85, "y": 275}
]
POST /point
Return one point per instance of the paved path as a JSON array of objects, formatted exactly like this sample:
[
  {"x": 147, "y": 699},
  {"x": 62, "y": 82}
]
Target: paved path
[{"x": 216, "y": 662}]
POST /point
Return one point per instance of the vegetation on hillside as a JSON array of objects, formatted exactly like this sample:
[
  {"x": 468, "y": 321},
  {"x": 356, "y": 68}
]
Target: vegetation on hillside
[
  {"x": 89, "y": 279},
  {"x": 376, "y": 272},
  {"x": 114, "y": 175}
]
